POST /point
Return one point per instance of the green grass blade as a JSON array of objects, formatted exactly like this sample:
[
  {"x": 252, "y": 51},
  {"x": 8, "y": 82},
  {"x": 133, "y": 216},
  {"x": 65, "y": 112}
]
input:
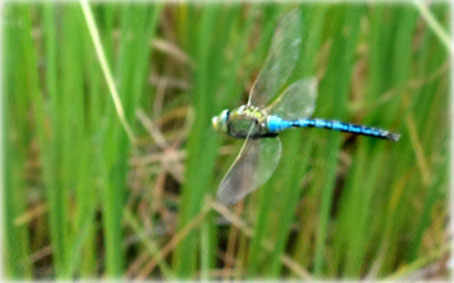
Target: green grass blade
[
  {"x": 336, "y": 81},
  {"x": 202, "y": 142}
]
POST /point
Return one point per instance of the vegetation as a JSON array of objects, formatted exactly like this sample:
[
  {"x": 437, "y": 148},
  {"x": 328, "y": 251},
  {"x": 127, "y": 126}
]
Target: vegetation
[{"x": 82, "y": 199}]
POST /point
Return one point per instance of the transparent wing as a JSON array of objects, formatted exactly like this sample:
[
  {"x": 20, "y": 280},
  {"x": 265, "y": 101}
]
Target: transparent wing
[
  {"x": 281, "y": 60},
  {"x": 297, "y": 101},
  {"x": 254, "y": 165}
]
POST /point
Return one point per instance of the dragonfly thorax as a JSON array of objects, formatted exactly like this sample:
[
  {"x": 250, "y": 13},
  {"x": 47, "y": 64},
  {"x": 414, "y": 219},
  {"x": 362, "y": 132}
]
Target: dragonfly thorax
[{"x": 242, "y": 121}]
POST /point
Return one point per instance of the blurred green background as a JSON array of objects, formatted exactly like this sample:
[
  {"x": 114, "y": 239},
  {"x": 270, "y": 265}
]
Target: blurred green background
[{"x": 82, "y": 200}]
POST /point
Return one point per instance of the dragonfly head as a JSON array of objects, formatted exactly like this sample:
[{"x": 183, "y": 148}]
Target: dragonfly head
[{"x": 220, "y": 121}]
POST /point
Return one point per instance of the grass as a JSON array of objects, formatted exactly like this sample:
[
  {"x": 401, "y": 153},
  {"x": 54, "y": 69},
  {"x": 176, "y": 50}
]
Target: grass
[{"x": 84, "y": 200}]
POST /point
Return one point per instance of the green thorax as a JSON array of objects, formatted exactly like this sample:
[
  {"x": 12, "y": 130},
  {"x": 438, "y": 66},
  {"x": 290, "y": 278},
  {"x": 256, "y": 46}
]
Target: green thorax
[{"x": 247, "y": 119}]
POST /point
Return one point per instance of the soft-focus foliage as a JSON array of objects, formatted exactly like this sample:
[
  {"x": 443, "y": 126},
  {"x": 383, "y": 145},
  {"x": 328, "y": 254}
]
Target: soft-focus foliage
[{"x": 82, "y": 201}]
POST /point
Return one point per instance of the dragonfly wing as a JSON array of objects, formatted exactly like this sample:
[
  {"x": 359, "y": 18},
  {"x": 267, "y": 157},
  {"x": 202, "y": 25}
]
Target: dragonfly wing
[
  {"x": 281, "y": 60},
  {"x": 254, "y": 165},
  {"x": 297, "y": 101}
]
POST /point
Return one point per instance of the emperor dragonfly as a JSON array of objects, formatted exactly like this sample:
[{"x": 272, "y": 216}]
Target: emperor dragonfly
[{"x": 259, "y": 124}]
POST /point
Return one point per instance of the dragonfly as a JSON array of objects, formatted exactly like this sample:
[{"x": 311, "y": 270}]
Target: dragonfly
[{"x": 260, "y": 121}]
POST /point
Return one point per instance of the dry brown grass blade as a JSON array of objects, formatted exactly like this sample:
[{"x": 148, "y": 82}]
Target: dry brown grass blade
[
  {"x": 30, "y": 214},
  {"x": 171, "y": 49},
  {"x": 412, "y": 84},
  {"x": 177, "y": 238},
  {"x": 232, "y": 242},
  {"x": 285, "y": 259},
  {"x": 169, "y": 161},
  {"x": 416, "y": 144}
]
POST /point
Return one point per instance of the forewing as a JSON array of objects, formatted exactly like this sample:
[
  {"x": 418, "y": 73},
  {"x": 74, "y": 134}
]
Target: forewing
[
  {"x": 281, "y": 60},
  {"x": 254, "y": 165},
  {"x": 297, "y": 101}
]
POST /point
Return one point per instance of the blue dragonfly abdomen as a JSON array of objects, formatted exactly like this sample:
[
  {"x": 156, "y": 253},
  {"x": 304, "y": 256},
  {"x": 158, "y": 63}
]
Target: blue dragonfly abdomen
[{"x": 276, "y": 124}]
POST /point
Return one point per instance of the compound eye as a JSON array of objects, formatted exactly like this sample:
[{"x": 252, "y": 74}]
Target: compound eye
[{"x": 225, "y": 115}]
